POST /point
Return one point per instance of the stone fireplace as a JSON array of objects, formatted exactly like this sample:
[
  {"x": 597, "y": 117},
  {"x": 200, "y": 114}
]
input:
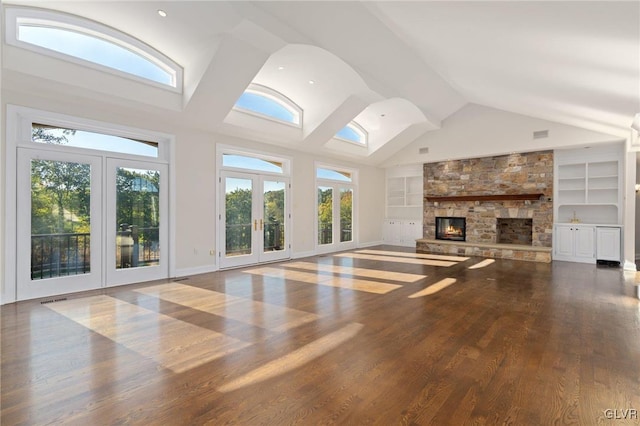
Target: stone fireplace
[
  {"x": 488, "y": 192},
  {"x": 514, "y": 231}
]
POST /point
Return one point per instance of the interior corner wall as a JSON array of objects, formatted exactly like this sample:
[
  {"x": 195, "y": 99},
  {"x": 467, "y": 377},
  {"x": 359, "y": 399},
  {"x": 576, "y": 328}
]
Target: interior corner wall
[
  {"x": 637, "y": 211},
  {"x": 3, "y": 192},
  {"x": 371, "y": 205}
]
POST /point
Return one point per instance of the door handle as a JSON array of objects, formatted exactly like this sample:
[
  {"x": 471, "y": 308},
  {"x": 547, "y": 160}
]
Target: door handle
[
  {"x": 255, "y": 224},
  {"x": 261, "y": 224}
]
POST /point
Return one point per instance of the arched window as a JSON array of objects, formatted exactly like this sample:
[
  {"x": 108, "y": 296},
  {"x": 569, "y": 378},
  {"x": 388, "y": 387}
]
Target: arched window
[
  {"x": 268, "y": 103},
  {"x": 353, "y": 132},
  {"x": 91, "y": 44}
]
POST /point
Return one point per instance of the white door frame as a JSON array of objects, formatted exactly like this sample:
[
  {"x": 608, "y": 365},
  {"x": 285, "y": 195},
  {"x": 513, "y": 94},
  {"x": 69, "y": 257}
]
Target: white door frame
[
  {"x": 135, "y": 274},
  {"x": 19, "y": 122},
  {"x": 258, "y": 254},
  {"x": 27, "y": 288},
  {"x": 336, "y": 186}
]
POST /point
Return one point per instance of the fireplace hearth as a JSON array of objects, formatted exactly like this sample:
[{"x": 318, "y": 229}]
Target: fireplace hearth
[{"x": 451, "y": 228}]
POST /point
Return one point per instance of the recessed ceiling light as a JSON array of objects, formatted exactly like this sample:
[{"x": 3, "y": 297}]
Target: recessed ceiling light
[
  {"x": 280, "y": 68},
  {"x": 162, "y": 13},
  {"x": 312, "y": 82}
]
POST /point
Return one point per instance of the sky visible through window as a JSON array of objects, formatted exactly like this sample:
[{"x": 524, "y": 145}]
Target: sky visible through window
[
  {"x": 102, "y": 142},
  {"x": 349, "y": 133},
  {"x": 251, "y": 163},
  {"x": 266, "y": 106},
  {"x": 322, "y": 173},
  {"x": 94, "y": 50}
]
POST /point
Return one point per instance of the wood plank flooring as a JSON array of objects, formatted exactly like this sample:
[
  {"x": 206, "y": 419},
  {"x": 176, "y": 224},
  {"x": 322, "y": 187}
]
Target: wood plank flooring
[{"x": 379, "y": 336}]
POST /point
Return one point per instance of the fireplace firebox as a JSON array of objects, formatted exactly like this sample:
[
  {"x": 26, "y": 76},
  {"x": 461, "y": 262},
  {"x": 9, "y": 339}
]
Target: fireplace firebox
[{"x": 451, "y": 228}]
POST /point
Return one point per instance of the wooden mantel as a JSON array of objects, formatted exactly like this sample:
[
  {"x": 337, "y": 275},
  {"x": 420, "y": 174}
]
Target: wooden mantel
[{"x": 494, "y": 197}]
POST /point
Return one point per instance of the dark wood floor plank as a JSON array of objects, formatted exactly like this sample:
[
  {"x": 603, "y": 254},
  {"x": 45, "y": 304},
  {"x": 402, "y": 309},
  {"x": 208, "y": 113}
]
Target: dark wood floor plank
[{"x": 509, "y": 343}]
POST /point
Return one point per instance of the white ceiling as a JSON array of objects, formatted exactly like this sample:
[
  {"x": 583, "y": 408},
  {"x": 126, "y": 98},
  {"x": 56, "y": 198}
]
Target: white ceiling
[{"x": 570, "y": 62}]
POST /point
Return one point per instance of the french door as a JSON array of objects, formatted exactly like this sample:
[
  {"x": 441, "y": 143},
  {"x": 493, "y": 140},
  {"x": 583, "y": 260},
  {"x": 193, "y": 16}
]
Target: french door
[
  {"x": 87, "y": 221},
  {"x": 335, "y": 217},
  {"x": 254, "y": 219}
]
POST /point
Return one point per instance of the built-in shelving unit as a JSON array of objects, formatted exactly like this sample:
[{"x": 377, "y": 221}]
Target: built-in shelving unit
[
  {"x": 588, "y": 187},
  {"x": 404, "y": 205},
  {"x": 404, "y": 191},
  {"x": 588, "y": 194}
]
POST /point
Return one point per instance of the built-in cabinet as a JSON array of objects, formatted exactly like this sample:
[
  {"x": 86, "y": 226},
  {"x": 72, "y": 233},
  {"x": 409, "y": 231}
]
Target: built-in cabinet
[
  {"x": 588, "y": 190},
  {"x": 404, "y": 205},
  {"x": 575, "y": 243},
  {"x": 401, "y": 232},
  {"x": 608, "y": 243}
]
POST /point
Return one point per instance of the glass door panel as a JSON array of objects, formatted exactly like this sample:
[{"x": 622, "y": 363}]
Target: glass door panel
[
  {"x": 325, "y": 215},
  {"x": 136, "y": 230},
  {"x": 274, "y": 219},
  {"x": 59, "y": 224},
  {"x": 346, "y": 219},
  {"x": 238, "y": 216},
  {"x": 137, "y": 218}
]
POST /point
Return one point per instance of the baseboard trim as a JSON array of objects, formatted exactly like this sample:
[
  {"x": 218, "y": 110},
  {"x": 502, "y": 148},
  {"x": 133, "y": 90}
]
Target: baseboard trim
[
  {"x": 370, "y": 244},
  {"x": 302, "y": 254},
  {"x": 184, "y": 272},
  {"x": 629, "y": 266}
]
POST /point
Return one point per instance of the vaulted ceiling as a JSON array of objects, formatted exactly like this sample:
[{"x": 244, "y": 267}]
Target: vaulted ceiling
[{"x": 400, "y": 68}]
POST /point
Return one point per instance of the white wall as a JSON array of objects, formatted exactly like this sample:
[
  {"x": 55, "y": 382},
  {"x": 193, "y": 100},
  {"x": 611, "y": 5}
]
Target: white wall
[
  {"x": 637, "y": 210},
  {"x": 196, "y": 175},
  {"x": 480, "y": 131}
]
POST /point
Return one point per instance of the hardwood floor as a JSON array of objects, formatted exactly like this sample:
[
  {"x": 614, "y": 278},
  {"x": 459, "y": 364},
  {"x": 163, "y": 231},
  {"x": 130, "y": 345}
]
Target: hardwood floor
[{"x": 376, "y": 336}]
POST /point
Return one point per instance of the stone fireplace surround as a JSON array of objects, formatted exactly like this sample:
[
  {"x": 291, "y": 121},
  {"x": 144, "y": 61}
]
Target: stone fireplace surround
[{"x": 508, "y": 174}]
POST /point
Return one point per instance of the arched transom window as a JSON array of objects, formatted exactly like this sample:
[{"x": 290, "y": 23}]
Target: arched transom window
[
  {"x": 353, "y": 132},
  {"x": 91, "y": 44},
  {"x": 268, "y": 103}
]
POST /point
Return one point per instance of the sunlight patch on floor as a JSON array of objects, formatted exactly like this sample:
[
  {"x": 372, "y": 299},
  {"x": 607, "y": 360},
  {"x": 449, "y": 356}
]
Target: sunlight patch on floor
[
  {"x": 295, "y": 359},
  {"x": 415, "y": 255},
  {"x": 360, "y": 272},
  {"x": 428, "y": 262},
  {"x": 434, "y": 288},
  {"x": 325, "y": 280},
  {"x": 482, "y": 264},
  {"x": 260, "y": 314},
  {"x": 171, "y": 343}
]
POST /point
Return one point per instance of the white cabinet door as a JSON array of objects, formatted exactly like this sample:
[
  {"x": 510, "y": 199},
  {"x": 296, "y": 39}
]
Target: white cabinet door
[
  {"x": 585, "y": 241},
  {"x": 574, "y": 243},
  {"x": 563, "y": 240},
  {"x": 411, "y": 231},
  {"x": 392, "y": 231},
  {"x": 608, "y": 243}
]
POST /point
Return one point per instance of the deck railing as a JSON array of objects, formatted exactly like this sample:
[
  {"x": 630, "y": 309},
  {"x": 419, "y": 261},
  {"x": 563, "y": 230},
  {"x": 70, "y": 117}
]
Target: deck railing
[
  {"x": 63, "y": 254},
  {"x": 55, "y": 255}
]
